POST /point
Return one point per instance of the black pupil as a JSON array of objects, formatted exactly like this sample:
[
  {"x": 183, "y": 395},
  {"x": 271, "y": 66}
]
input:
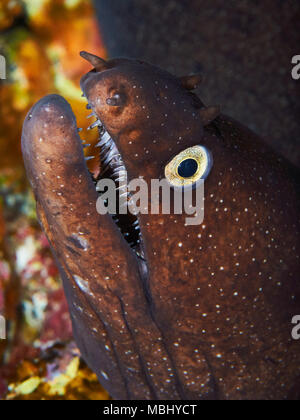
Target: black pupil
[{"x": 187, "y": 168}]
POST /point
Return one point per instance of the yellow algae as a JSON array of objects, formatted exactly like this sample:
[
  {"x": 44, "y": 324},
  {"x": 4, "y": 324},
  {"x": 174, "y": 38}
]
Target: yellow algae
[
  {"x": 67, "y": 88},
  {"x": 28, "y": 386},
  {"x": 59, "y": 383},
  {"x": 73, "y": 367},
  {"x": 34, "y": 7},
  {"x": 72, "y": 3}
]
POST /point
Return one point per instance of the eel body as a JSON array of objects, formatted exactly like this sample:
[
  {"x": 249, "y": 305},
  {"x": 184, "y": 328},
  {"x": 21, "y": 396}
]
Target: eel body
[{"x": 162, "y": 310}]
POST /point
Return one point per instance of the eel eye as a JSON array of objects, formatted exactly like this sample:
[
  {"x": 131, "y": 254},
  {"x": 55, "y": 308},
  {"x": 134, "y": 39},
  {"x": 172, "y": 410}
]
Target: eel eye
[{"x": 189, "y": 167}]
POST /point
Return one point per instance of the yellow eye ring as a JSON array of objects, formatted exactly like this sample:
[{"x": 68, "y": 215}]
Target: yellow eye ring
[{"x": 189, "y": 166}]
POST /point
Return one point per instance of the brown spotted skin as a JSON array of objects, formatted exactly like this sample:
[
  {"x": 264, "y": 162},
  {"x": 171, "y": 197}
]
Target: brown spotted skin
[{"x": 208, "y": 316}]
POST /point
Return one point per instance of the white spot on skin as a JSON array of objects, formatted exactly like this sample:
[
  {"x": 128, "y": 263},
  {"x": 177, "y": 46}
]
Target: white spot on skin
[
  {"x": 104, "y": 375},
  {"x": 82, "y": 241},
  {"x": 83, "y": 285}
]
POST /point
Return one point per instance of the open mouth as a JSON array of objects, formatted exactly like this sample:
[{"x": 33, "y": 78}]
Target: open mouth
[{"x": 111, "y": 166}]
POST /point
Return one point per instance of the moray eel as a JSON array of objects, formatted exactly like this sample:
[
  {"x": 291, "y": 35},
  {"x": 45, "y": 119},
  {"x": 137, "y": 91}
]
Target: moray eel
[{"x": 162, "y": 310}]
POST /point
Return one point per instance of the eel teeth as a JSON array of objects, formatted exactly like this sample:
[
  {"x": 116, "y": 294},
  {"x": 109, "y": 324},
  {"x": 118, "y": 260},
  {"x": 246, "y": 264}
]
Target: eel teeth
[
  {"x": 105, "y": 139},
  {"x": 120, "y": 170},
  {"x": 120, "y": 179},
  {"x": 108, "y": 146},
  {"x": 125, "y": 194},
  {"x": 104, "y": 170},
  {"x": 102, "y": 130},
  {"x": 111, "y": 154},
  {"x": 122, "y": 188},
  {"x": 98, "y": 144},
  {"x": 95, "y": 124}
]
